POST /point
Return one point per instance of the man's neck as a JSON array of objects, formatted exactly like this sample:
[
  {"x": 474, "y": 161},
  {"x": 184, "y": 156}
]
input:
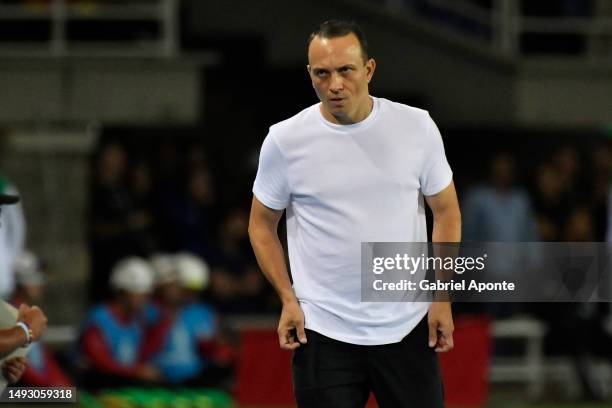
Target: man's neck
[{"x": 363, "y": 112}]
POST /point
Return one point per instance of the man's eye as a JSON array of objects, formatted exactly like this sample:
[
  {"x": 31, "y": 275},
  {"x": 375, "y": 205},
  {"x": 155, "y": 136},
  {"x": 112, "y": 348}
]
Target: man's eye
[
  {"x": 345, "y": 69},
  {"x": 320, "y": 73}
]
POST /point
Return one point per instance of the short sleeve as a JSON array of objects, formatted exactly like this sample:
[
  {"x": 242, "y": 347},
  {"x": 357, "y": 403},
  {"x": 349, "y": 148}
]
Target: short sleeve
[
  {"x": 271, "y": 185},
  {"x": 436, "y": 174}
]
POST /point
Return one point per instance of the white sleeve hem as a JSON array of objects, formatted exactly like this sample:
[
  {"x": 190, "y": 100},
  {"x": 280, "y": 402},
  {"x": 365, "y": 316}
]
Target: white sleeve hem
[
  {"x": 436, "y": 188},
  {"x": 269, "y": 201}
]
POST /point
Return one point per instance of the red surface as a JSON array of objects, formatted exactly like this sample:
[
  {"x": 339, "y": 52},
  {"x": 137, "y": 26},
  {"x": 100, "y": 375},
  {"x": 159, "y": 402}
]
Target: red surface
[
  {"x": 465, "y": 368},
  {"x": 264, "y": 371}
]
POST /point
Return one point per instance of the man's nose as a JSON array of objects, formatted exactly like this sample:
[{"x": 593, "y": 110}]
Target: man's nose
[{"x": 336, "y": 83}]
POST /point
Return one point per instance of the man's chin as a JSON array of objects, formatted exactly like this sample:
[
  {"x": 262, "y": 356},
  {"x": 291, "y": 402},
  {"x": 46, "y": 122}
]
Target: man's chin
[{"x": 337, "y": 110}]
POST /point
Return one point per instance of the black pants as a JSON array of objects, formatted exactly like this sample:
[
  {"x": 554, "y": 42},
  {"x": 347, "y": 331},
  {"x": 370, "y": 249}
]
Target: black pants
[{"x": 331, "y": 374}]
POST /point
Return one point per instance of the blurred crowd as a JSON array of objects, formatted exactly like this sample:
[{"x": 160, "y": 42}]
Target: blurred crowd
[
  {"x": 153, "y": 329},
  {"x": 169, "y": 202},
  {"x": 565, "y": 199}
]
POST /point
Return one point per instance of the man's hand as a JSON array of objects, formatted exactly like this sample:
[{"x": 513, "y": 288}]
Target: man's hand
[
  {"x": 34, "y": 318},
  {"x": 291, "y": 323},
  {"x": 13, "y": 369},
  {"x": 440, "y": 320}
]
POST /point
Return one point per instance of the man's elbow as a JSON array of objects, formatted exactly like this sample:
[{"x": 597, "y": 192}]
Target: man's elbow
[
  {"x": 257, "y": 230},
  {"x": 252, "y": 230}
]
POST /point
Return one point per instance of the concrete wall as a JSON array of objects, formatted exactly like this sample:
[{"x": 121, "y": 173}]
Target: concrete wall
[
  {"x": 570, "y": 95},
  {"x": 141, "y": 91}
]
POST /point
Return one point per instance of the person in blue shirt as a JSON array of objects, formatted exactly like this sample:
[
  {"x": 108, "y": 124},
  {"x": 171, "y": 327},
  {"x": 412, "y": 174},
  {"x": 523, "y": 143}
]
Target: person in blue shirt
[
  {"x": 183, "y": 339},
  {"x": 110, "y": 344}
]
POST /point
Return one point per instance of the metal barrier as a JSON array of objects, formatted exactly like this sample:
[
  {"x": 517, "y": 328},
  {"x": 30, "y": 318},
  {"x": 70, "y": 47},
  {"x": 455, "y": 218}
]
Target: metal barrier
[
  {"x": 56, "y": 16},
  {"x": 504, "y": 24}
]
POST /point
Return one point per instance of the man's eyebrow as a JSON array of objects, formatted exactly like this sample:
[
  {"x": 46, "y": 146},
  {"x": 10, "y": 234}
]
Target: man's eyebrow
[{"x": 321, "y": 69}]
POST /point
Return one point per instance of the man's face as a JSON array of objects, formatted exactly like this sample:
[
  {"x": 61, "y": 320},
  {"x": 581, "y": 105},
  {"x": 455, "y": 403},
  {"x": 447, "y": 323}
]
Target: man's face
[
  {"x": 134, "y": 303},
  {"x": 340, "y": 77}
]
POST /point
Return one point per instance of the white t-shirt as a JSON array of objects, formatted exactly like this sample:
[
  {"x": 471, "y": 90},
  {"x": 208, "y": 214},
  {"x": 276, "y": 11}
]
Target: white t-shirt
[
  {"x": 346, "y": 184},
  {"x": 12, "y": 239}
]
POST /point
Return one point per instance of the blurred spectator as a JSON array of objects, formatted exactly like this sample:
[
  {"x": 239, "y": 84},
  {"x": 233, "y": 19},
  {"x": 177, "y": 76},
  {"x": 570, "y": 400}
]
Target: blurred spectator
[
  {"x": 42, "y": 369},
  {"x": 142, "y": 219},
  {"x": 499, "y": 211},
  {"x": 190, "y": 214},
  {"x": 567, "y": 165},
  {"x": 12, "y": 238},
  {"x": 197, "y": 156},
  {"x": 237, "y": 284},
  {"x": 110, "y": 343},
  {"x": 579, "y": 226},
  {"x": 551, "y": 202},
  {"x": 117, "y": 228},
  {"x": 577, "y": 329},
  {"x": 184, "y": 340},
  {"x": 109, "y": 205}
]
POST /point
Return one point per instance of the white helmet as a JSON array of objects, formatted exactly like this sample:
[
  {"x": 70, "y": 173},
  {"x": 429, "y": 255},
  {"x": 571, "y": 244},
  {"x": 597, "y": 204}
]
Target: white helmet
[
  {"x": 133, "y": 275},
  {"x": 193, "y": 272},
  {"x": 164, "y": 268},
  {"x": 28, "y": 269}
]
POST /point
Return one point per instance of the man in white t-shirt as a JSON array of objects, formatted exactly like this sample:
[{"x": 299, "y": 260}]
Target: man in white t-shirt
[
  {"x": 350, "y": 169},
  {"x": 12, "y": 238},
  {"x": 31, "y": 324}
]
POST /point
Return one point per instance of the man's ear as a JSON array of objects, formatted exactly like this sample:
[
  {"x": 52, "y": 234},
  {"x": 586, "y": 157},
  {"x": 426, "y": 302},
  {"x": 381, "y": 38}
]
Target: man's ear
[
  {"x": 370, "y": 68},
  {"x": 309, "y": 76}
]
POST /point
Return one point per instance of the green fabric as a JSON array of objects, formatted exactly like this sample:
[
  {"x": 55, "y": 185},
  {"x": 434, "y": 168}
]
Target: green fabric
[{"x": 3, "y": 184}]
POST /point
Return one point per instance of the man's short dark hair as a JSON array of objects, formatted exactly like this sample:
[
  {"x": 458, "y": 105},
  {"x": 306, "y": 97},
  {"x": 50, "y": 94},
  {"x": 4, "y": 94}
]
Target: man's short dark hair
[{"x": 340, "y": 28}]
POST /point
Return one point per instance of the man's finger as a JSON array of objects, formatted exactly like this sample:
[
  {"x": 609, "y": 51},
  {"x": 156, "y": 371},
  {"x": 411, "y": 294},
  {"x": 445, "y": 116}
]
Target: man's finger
[
  {"x": 447, "y": 334},
  {"x": 444, "y": 344},
  {"x": 433, "y": 333},
  {"x": 21, "y": 360},
  {"x": 23, "y": 309},
  {"x": 301, "y": 333},
  {"x": 282, "y": 337},
  {"x": 286, "y": 340},
  {"x": 451, "y": 343},
  {"x": 12, "y": 372},
  {"x": 289, "y": 344}
]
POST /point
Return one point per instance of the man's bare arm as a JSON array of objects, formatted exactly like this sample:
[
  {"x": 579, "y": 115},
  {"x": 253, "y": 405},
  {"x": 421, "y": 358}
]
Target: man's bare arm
[
  {"x": 446, "y": 215},
  {"x": 15, "y": 337},
  {"x": 447, "y": 228},
  {"x": 263, "y": 232},
  {"x": 11, "y": 339}
]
